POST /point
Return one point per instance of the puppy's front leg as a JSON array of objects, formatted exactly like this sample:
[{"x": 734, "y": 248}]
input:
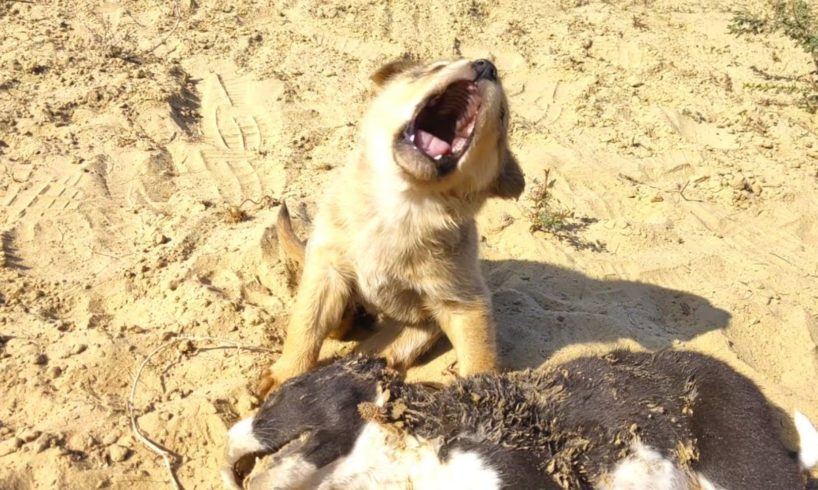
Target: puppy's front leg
[
  {"x": 320, "y": 303},
  {"x": 470, "y": 329},
  {"x": 412, "y": 342},
  {"x": 347, "y": 322}
]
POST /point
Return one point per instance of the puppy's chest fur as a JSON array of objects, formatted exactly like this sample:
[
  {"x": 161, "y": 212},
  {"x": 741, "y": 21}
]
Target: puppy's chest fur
[{"x": 406, "y": 261}]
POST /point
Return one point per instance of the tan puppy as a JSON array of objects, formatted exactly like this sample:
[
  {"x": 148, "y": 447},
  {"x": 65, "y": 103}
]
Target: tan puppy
[{"x": 396, "y": 233}]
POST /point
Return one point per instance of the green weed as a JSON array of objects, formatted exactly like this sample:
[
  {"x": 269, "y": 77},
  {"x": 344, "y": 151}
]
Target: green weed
[
  {"x": 548, "y": 216},
  {"x": 798, "y": 20}
]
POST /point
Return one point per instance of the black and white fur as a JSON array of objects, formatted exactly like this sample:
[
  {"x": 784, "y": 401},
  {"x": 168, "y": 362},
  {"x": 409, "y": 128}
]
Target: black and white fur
[
  {"x": 666, "y": 421},
  {"x": 312, "y": 418}
]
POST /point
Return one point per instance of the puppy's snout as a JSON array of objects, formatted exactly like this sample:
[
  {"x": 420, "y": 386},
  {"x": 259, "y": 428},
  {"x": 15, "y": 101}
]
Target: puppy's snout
[{"x": 485, "y": 70}]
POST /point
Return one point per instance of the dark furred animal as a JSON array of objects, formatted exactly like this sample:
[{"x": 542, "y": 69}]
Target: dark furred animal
[
  {"x": 670, "y": 420},
  {"x": 322, "y": 405}
]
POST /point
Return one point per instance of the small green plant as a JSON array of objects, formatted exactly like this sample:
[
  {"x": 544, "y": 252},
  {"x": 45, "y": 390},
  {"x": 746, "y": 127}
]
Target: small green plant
[
  {"x": 548, "y": 216},
  {"x": 795, "y": 18},
  {"x": 798, "y": 20},
  {"x": 545, "y": 215},
  {"x": 807, "y": 93}
]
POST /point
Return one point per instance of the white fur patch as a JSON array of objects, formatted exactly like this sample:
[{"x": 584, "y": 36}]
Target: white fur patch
[
  {"x": 382, "y": 459},
  {"x": 366, "y": 466},
  {"x": 705, "y": 484},
  {"x": 468, "y": 470},
  {"x": 240, "y": 441},
  {"x": 807, "y": 441},
  {"x": 286, "y": 469},
  {"x": 644, "y": 469}
]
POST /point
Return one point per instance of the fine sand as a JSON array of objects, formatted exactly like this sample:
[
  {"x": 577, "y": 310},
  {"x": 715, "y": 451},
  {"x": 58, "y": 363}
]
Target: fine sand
[{"x": 145, "y": 145}]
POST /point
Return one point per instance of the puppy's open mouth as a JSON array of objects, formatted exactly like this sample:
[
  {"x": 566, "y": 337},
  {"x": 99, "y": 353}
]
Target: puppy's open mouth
[{"x": 443, "y": 128}]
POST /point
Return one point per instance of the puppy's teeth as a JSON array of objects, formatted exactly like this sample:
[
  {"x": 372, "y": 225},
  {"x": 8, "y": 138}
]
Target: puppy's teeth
[
  {"x": 438, "y": 157},
  {"x": 412, "y": 138}
]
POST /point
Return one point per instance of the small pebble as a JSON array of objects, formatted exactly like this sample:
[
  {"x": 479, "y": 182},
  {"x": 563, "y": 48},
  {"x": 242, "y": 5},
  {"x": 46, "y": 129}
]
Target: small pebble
[
  {"x": 246, "y": 403},
  {"x": 118, "y": 453},
  {"x": 40, "y": 359},
  {"x": 110, "y": 438},
  {"x": 78, "y": 349},
  {"x": 502, "y": 223},
  {"x": 738, "y": 182},
  {"x": 29, "y": 435},
  {"x": 54, "y": 372},
  {"x": 10, "y": 446},
  {"x": 42, "y": 444},
  {"x": 89, "y": 442},
  {"x": 186, "y": 346},
  {"x": 635, "y": 82}
]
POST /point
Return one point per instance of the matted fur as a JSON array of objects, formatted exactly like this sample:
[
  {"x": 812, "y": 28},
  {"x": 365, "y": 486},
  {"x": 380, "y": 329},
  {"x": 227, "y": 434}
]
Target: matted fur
[
  {"x": 581, "y": 419},
  {"x": 672, "y": 420},
  {"x": 396, "y": 233}
]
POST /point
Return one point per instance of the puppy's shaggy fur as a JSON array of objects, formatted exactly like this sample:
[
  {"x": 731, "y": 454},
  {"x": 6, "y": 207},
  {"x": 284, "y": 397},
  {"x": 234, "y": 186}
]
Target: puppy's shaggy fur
[
  {"x": 396, "y": 232},
  {"x": 666, "y": 421}
]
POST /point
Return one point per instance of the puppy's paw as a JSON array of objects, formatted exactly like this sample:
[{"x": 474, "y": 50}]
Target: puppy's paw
[
  {"x": 274, "y": 376},
  {"x": 266, "y": 383},
  {"x": 394, "y": 361}
]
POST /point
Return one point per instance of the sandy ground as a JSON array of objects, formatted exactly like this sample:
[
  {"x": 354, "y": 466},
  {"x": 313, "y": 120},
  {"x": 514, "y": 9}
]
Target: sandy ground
[{"x": 144, "y": 146}]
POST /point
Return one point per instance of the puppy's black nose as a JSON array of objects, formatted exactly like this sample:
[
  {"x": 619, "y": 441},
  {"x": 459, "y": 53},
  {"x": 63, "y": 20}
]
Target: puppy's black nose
[{"x": 485, "y": 70}]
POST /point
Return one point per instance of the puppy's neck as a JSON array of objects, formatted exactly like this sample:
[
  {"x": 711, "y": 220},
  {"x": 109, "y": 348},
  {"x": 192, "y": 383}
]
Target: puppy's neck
[{"x": 400, "y": 196}]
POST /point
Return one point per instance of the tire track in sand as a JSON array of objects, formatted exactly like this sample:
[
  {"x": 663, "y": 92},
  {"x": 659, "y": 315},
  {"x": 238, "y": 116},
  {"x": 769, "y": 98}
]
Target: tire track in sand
[{"x": 47, "y": 195}]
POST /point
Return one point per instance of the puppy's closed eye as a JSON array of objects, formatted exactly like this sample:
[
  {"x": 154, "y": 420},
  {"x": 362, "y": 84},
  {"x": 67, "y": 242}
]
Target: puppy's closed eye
[
  {"x": 391, "y": 70},
  {"x": 435, "y": 68}
]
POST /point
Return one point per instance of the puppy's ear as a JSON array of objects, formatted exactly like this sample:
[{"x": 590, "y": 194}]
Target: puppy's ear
[
  {"x": 391, "y": 70},
  {"x": 510, "y": 182}
]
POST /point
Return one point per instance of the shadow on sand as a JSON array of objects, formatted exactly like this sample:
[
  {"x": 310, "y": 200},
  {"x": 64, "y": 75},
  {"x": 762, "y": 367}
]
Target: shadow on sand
[{"x": 541, "y": 308}]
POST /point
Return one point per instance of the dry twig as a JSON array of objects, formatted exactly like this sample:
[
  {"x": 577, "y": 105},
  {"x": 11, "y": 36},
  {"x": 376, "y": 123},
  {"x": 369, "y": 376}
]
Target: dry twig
[{"x": 167, "y": 456}]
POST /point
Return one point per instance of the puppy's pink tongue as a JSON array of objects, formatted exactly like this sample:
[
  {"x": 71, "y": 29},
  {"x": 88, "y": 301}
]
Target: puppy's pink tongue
[{"x": 431, "y": 144}]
